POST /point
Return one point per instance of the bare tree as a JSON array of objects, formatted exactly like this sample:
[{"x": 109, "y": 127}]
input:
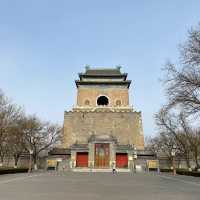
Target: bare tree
[
  {"x": 170, "y": 124},
  {"x": 16, "y": 140},
  {"x": 19, "y": 133},
  {"x": 8, "y": 114},
  {"x": 182, "y": 81},
  {"x": 182, "y": 84},
  {"x": 40, "y": 136},
  {"x": 162, "y": 145},
  {"x": 183, "y": 88},
  {"x": 190, "y": 51},
  {"x": 192, "y": 136}
]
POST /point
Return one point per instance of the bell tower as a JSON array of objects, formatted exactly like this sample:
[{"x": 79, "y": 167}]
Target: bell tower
[
  {"x": 102, "y": 129},
  {"x": 102, "y": 88}
]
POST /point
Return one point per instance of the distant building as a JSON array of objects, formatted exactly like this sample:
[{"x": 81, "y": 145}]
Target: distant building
[{"x": 103, "y": 129}]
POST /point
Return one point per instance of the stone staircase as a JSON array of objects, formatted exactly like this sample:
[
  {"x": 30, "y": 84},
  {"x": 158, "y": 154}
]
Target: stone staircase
[{"x": 98, "y": 170}]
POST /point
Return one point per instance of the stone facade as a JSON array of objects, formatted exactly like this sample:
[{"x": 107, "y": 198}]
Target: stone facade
[
  {"x": 92, "y": 93},
  {"x": 125, "y": 126},
  {"x": 102, "y": 130}
]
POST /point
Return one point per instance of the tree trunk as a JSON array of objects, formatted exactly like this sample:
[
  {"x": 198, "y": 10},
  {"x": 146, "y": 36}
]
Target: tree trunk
[
  {"x": 8, "y": 160},
  {"x": 196, "y": 160},
  {"x": 187, "y": 159},
  {"x": 16, "y": 159},
  {"x": 1, "y": 160},
  {"x": 178, "y": 162},
  {"x": 35, "y": 161}
]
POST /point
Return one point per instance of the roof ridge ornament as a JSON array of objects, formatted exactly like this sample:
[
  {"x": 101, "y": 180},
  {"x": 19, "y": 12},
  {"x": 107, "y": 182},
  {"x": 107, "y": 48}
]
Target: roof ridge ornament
[
  {"x": 118, "y": 67},
  {"x": 87, "y": 67}
]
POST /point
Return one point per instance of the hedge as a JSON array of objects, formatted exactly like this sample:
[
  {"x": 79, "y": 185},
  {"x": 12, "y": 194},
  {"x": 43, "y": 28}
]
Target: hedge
[
  {"x": 13, "y": 170},
  {"x": 183, "y": 172},
  {"x": 188, "y": 173},
  {"x": 166, "y": 170}
]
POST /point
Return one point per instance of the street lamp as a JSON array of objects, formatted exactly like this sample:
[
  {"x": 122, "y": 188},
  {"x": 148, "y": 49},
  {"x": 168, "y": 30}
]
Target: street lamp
[
  {"x": 30, "y": 160},
  {"x": 173, "y": 154},
  {"x": 158, "y": 164},
  {"x": 30, "y": 154},
  {"x": 135, "y": 157}
]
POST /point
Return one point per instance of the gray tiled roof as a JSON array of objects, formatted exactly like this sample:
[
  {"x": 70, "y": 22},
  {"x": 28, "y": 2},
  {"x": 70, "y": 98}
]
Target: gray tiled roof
[
  {"x": 103, "y": 71},
  {"x": 59, "y": 151},
  {"x": 79, "y": 146}
]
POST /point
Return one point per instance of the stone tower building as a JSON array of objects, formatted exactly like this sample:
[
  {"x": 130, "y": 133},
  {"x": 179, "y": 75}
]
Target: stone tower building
[{"x": 102, "y": 129}]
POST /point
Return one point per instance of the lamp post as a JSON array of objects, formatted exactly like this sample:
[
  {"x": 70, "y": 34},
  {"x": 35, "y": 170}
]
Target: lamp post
[
  {"x": 158, "y": 164},
  {"x": 30, "y": 154},
  {"x": 173, "y": 154},
  {"x": 30, "y": 160},
  {"x": 135, "y": 157}
]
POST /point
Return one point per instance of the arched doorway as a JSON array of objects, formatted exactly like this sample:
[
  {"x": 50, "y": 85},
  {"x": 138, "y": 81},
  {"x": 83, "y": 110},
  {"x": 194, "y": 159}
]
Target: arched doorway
[{"x": 102, "y": 154}]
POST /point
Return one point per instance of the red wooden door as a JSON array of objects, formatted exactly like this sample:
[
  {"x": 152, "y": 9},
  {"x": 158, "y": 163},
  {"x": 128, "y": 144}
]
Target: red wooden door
[
  {"x": 82, "y": 159},
  {"x": 121, "y": 160},
  {"x": 102, "y": 153}
]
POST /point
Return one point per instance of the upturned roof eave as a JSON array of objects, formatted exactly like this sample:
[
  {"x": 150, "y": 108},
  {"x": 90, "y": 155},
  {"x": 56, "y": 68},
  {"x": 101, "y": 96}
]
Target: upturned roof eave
[
  {"x": 127, "y": 82},
  {"x": 83, "y": 75}
]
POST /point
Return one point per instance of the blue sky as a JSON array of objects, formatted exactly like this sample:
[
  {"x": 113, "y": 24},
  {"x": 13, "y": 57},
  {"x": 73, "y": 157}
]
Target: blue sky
[{"x": 45, "y": 43}]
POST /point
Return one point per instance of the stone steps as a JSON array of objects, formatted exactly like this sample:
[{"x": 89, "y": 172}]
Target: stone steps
[{"x": 98, "y": 170}]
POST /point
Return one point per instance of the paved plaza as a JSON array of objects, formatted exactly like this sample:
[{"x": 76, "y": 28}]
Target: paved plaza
[{"x": 96, "y": 186}]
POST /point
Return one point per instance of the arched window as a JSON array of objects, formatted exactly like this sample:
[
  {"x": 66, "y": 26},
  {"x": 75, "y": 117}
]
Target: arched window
[
  {"x": 102, "y": 101},
  {"x": 118, "y": 103},
  {"x": 87, "y": 102}
]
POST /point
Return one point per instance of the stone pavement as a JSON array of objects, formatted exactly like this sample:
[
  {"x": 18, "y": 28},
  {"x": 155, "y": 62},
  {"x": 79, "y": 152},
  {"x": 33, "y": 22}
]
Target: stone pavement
[{"x": 96, "y": 186}]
